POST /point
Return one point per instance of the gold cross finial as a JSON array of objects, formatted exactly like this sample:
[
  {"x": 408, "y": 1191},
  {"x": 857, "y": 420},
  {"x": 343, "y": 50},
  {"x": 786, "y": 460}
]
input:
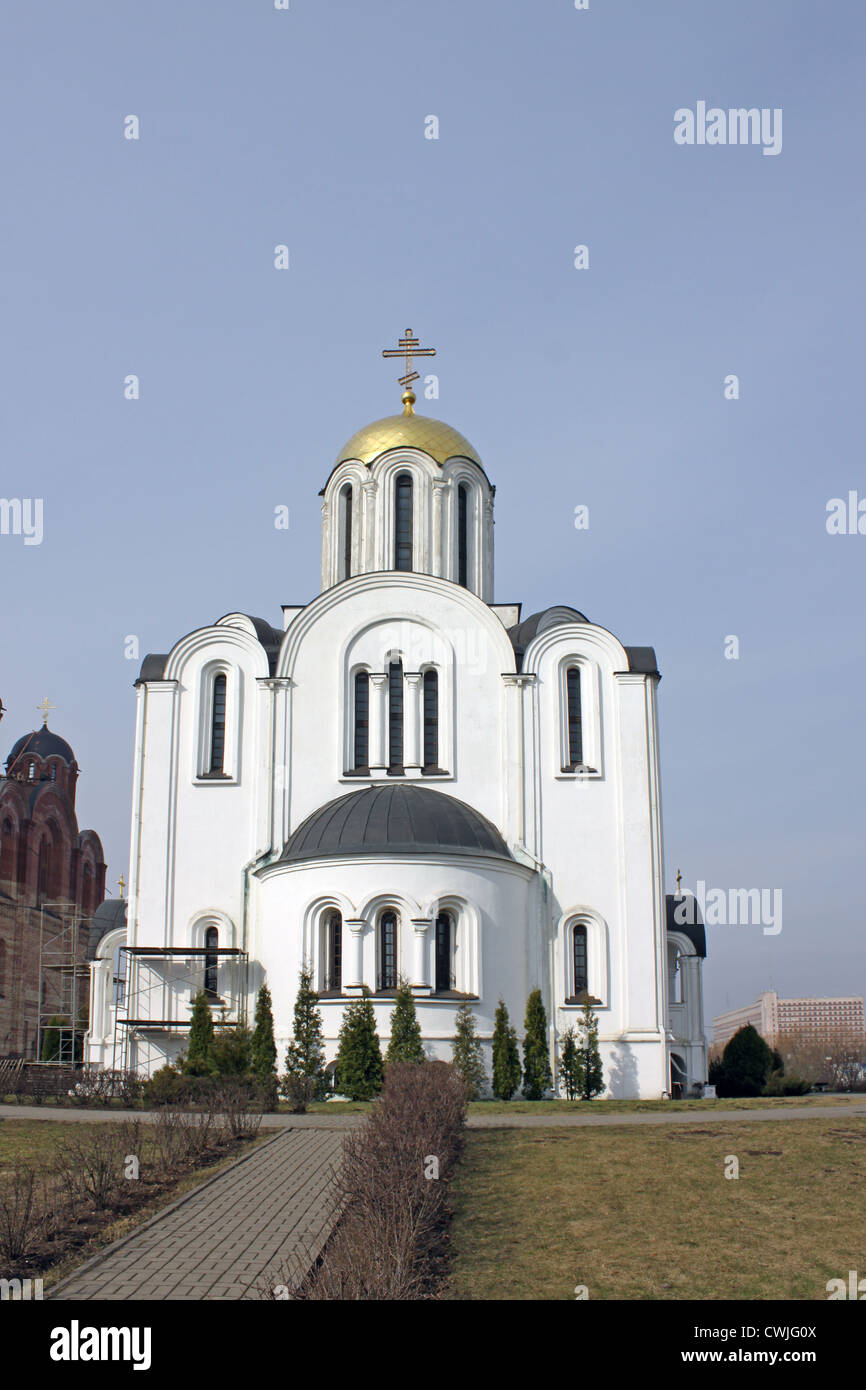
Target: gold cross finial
[
  {"x": 45, "y": 707},
  {"x": 407, "y": 350},
  {"x": 679, "y": 881},
  {"x": 121, "y": 883}
]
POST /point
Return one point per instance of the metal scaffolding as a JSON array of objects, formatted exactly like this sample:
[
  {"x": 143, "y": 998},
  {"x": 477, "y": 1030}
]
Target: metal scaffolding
[
  {"x": 64, "y": 977},
  {"x": 159, "y": 985}
]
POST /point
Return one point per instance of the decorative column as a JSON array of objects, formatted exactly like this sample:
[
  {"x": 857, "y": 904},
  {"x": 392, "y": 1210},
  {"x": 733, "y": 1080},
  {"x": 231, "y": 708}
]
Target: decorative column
[
  {"x": 420, "y": 981},
  {"x": 367, "y": 540},
  {"x": 518, "y": 767},
  {"x": 440, "y": 560},
  {"x": 412, "y": 718},
  {"x": 353, "y": 963},
  {"x": 378, "y": 717}
]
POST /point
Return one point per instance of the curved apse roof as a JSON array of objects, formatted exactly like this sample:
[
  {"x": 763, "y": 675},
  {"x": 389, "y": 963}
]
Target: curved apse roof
[{"x": 405, "y": 819}]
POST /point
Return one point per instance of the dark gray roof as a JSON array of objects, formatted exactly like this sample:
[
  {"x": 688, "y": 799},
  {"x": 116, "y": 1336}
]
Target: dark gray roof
[
  {"x": 44, "y": 744},
  {"x": 693, "y": 925},
  {"x": 643, "y": 660},
  {"x": 153, "y": 665},
  {"x": 399, "y": 819},
  {"x": 524, "y": 632},
  {"x": 110, "y": 915}
]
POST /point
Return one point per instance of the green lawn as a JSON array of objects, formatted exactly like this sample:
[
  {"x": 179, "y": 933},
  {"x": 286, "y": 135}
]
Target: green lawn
[{"x": 647, "y": 1213}]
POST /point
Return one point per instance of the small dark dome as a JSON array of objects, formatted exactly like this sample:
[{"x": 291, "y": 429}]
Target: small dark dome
[
  {"x": 43, "y": 744},
  {"x": 523, "y": 633},
  {"x": 110, "y": 915},
  {"x": 684, "y": 915},
  {"x": 394, "y": 820}
]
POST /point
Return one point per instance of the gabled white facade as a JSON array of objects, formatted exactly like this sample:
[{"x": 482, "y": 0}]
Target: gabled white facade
[{"x": 582, "y": 842}]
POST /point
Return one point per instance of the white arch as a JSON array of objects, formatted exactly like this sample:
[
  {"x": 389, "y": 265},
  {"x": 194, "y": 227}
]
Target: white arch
[{"x": 597, "y": 954}]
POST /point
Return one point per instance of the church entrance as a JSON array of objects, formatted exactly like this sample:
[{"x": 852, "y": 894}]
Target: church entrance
[{"x": 679, "y": 1079}]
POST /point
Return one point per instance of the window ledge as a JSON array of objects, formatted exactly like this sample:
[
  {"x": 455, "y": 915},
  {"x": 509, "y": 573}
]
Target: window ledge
[{"x": 210, "y": 779}]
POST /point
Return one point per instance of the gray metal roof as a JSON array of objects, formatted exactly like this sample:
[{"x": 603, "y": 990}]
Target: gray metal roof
[
  {"x": 693, "y": 926},
  {"x": 42, "y": 743},
  {"x": 110, "y": 915},
  {"x": 399, "y": 819}
]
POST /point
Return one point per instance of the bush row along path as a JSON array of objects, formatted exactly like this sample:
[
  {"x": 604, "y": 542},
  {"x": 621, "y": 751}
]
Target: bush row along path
[{"x": 229, "y": 1238}]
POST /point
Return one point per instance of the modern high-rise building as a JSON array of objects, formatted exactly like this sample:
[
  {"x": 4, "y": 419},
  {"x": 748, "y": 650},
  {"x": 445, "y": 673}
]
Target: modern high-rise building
[{"x": 773, "y": 1017}]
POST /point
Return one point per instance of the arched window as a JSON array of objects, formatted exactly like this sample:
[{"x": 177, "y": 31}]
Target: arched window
[
  {"x": 53, "y": 772},
  {"x": 118, "y": 978},
  {"x": 2, "y": 969},
  {"x": 7, "y": 851},
  {"x": 444, "y": 952},
  {"x": 43, "y": 870},
  {"x": 31, "y": 774},
  {"x": 575, "y": 734},
  {"x": 87, "y": 890},
  {"x": 395, "y": 717},
  {"x": 431, "y": 721},
  {"x": 463, "y": 535},
  {"x": 388, "y": 951},
  {"x": 346, "y": 529},
  {"x": 218, "y": 725},
  {"x": 361, "y": 756},
  {"x": 581, "y": 976},
  {"x": 334, "y": 952},
  {"x": 211, "y": 945},
  {"x": 403, "y": 522}
]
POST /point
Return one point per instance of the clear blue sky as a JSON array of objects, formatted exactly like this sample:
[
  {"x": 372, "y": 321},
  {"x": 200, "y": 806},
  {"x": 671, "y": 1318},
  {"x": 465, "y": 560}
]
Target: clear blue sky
[{"x": 602, "y": 387}]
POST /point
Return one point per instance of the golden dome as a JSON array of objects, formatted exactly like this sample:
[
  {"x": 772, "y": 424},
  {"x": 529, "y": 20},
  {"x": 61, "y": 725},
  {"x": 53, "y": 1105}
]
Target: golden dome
[{"x": 436, "y": 438}]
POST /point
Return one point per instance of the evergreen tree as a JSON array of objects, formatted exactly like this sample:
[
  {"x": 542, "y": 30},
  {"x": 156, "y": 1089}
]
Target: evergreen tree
[
  {"x": 536, "y": 1059},
  {"x": 263, "y": 1049},
  {"x": 746, "y": 1063},
  {"x": 305, "y": 1055},
  {"x": 198, "y": 1060},
  {"x": 568, "y": 1063},
  {"x": 359, "y": 1059},
  {"x": 405, "y": 1044},
  {"x": 230, "y": 1052},
  {"x": 588, "y": 1076},
  {"x": 506, "y": 1058},
  {"x": 52, "y": 1039},
  {"x": 466, "y": 1053}
]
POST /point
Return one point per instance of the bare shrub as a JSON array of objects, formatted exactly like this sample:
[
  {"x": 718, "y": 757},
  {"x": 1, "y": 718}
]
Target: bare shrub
[
  {"x": 392, "y": 1191},
  {"x": 234, "y": 1100},
  {"x": 169, "y": 1139},
  {"x": 298, "y": 1091},
  {"x": 23, "y": 1212},
  {"x": 92, "y": 1168}
]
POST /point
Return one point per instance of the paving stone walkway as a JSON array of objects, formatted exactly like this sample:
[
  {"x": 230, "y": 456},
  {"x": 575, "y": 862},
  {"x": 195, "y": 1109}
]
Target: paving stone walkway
[{"x": 229, "y": 1238}]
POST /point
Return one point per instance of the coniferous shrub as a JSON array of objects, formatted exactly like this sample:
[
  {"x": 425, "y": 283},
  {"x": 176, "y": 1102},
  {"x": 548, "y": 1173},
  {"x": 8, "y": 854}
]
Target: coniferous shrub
[
  {"x": 263, "y": 1049},
  {"x": 568, "y": 1063},
  {"x": 589, "y": 1075},
  {"x": 745, "y": 1066},
  {"x": 230, "y": 1052},
  {"x": 466, "y": 1053},
  {"x": 506, "y": 1058},
  {"x": 305, "y": 1054},
  {"x": 536, "y": 1059},
  {"x": 197, "y": 1061},
  {"x": 405, "y": 1043},
  {"x": 359, "y": 1059}
]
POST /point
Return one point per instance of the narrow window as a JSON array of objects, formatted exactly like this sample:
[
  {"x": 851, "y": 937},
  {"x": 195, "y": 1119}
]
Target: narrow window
[
  {"x": 580, "y": 974},
  {"x": 7, "y": 851},
  {"x": 119, "y": 977},
  {"x": 211, "y": 943},
  {"x": 403, "y": 522},
  {"x": 218, "y": 725},
  {"x": 334, "y": 959},
  {"x": 2, "y": 969},
  {"x": 444, "y": 940},
  {"x": 54, "y": 772},
  {"x": 431, "y": 721},
  {"x": 462, "y": 535},
  {"x": 395, "y": 717},
  {"x": 346, "y": 509},
  {"x": 362, "y": 722},
  {"x": 388, "y": 951},
  {"x": 43, "y": 871},
  {"x": 575, "y": 735}
]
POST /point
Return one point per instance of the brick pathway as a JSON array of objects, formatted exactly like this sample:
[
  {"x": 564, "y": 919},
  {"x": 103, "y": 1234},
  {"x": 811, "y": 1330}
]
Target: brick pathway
[{"x": 223, "y": 1240}]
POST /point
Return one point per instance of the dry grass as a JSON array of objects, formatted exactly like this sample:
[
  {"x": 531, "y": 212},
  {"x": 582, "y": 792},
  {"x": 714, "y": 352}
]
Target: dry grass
[{"x": 646, "y": 1213}]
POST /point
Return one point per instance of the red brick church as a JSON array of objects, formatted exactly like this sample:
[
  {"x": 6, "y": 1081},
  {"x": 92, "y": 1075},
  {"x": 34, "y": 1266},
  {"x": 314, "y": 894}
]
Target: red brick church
[{"x": 52, "y": 879}]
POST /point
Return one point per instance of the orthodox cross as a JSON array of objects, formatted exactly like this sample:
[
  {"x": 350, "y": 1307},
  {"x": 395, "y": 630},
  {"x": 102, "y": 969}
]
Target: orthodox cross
[
  {"x": 679, "y": 881},
  {"x": 45, "y": 707},
  {"x": 121, "y": 883},
  {"x": 407, "y": 350}
]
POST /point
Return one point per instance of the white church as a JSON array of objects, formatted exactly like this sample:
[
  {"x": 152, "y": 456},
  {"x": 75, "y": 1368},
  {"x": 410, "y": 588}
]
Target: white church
[{"x": 404, "y": 779}]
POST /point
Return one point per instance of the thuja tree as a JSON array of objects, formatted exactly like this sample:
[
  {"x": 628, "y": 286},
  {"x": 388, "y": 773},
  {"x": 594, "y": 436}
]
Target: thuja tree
[
  {"x": 263, "y": 1049},
  {"x": 568, "y": 1063},
  {"x": 199, "y": 1053},
  {"x": 589, "y": 1075},
  {"x": 359, "y": 1060},
  {"x": 405, "y": 1044},
  {"x": 537, "y": 1077},
  {"x": 506, "y": 1058},
  {"x": 305, "y": 1054},
  {"x": 746, "y": 1063},
  {"x": 466, "y": 1053}
]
